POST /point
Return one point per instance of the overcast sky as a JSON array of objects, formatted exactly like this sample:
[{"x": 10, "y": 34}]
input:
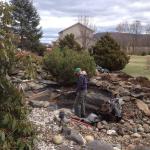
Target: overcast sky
[{"x": 106, "y": 14}]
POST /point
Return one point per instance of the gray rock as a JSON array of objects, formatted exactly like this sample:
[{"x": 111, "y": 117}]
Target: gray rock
[
  {"x": 111, "y": 132},
  {"x": 126, "y": 98},
  {"x": 89, "y": 138},
  {"x": 123, "y": 92},
  {"x": 136, "y": 135},
  {"x": 35, "y": 86},
  {"x": 99, "y": 125},
  {"x": 58, "y": 139},
  {"x": 146, "y": 128},
  {"x": 74, "y": 136},
  {"x": 21, "y": 73},
  {"x": 142, "y": 148},
  {"x": 138, "y": 95},
  {"x": 104, "y": 130},
  {"x": 93, "y": 81},
  {"x": 48, "y": 82},
  {"x": 121, "y": 131},
  {"x": 77, "y": 137},
  {"x": 99, "y": 145},
  {"x": 16, "y": 80},
  {"x": 34, "y": 103},
  {"x": 140, "y": 129},
  {"x": 143, "y": 106},
  {"x": 137, "y": 88},
  {"x": 116, "y": 148},
  {"x": 65, "y": 147},
  {"x": 104, "y": 122},
  {"x": 134, "y": 130},
  {"x": 92, "y": 118}
]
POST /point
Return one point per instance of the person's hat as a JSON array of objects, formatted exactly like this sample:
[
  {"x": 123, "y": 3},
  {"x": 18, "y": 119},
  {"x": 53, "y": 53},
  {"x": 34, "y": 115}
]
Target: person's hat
[{"x": 77, "y": 70}]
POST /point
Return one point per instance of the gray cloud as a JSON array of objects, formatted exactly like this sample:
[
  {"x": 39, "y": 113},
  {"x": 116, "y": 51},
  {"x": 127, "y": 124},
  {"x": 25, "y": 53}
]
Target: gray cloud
[
  {"x": 109, "y": 11},
  {"x": 50, "y": 34},
  {"x": 90, "y": 7}
]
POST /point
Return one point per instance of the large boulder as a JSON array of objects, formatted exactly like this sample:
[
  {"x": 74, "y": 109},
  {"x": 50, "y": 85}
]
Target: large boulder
[
  {"x": 89, "y": 138},
  {"x": 35, "y": 103},
  {"x": 35, "y": 86},
  {"x": 143, "y": 107},
  {"x": 98, "y": 145},
  {"x": 74, "y": 136},
  {"x": 142, "y": 148},
  {"x": 58, "y": 139}
]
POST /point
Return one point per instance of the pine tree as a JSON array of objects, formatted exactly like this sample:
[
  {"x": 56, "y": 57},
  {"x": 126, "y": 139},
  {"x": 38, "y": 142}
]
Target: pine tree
[
  {"x": 107, "y": 54},
  {"x": 15, "y": 131},
  {"x": 26, "y": 22},
  {"x": 69, "y": 42}
]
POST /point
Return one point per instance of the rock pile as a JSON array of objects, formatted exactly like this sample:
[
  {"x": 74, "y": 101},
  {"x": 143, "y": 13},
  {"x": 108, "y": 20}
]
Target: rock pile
[{"x": 132, "y": 130}]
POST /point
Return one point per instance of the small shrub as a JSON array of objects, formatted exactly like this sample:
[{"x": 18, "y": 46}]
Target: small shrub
[
  {"x": 40, "y": 49},
  {"x": 107, "y": 54},
  {"x": 143, "y": 54},
  {"x": 69, "y": 42},
  {"x": 15, "y": 130},
  {"x": 29, "y": 62},
  {"x": 62, "y": 64},
  {"x": 148, "y": 62}
]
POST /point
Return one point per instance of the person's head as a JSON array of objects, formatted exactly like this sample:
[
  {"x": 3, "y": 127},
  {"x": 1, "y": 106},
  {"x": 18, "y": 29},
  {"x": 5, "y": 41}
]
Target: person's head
[
  {"x": 84, "y": 73},
  {"x": 77, "y": 71}
]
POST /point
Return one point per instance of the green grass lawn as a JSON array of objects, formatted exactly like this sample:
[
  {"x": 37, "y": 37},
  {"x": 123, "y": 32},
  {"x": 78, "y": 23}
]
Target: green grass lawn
[{"x": 138, "y": 66}]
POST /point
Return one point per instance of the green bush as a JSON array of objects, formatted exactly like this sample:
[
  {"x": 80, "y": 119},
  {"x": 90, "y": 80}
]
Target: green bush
[
  {"x": 61, "y": 64},
  {"x": 40, "y": 49},
  {"x": 143, "y": 54},
  {"x": 69, "y": 42},
  {"x": 14, "y": 126},
  {"x": 16, "y": 131},
  {"x": 107, "y": 54}
]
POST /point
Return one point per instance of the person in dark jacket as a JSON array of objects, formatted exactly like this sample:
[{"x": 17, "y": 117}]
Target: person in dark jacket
[{"x": 81, "y": 91}]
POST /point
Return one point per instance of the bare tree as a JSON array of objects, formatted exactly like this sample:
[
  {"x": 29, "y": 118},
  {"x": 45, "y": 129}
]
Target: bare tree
[
  {"x": 134, "y": 29},
  {"x": 86, "y": 31},
  {"x": 123, "y": 27},
  {"x": 147, "y": 31}
]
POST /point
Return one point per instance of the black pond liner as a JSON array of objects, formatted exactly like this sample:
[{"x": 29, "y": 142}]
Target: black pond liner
[{"x": 67, "y": 101}]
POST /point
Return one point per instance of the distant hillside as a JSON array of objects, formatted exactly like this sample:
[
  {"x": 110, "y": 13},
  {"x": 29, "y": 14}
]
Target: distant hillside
[{"x": 129, "y": 42}]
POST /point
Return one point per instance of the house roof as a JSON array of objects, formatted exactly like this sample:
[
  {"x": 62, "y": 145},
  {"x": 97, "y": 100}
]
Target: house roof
[{"x": 75, "y": 25}]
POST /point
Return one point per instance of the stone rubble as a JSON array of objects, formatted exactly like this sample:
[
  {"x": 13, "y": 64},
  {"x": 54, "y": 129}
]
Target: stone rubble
[{"x": 132, "y": 130}]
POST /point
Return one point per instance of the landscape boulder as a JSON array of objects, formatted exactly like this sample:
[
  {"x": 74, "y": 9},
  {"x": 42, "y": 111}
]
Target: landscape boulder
[
  {"x": 73, "y": 135},
  {"x": 143, "y": 107},
  {"x": 58, "y": 139},
  {"x": 35, "y": 103},
  {"x": 98, "y": 145},
  {"x": 89, "y": 138}
]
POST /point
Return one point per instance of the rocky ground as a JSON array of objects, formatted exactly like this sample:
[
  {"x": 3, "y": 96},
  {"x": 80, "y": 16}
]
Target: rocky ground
[{"x": 47, "y": 99}]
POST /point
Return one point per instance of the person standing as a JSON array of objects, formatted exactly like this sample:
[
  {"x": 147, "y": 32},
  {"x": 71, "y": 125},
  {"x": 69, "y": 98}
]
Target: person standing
[{"x": 81, "y": 92}]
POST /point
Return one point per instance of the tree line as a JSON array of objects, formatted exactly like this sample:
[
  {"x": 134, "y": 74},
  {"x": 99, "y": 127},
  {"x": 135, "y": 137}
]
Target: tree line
[
  {"x": 25, "y": 25},
  {"x": 137, "y": 34}
]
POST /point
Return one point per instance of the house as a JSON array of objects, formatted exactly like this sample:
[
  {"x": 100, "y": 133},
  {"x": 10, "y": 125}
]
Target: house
[
  {"x": 83, "y": 34},
  {"x": 130, "y": 43}
]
